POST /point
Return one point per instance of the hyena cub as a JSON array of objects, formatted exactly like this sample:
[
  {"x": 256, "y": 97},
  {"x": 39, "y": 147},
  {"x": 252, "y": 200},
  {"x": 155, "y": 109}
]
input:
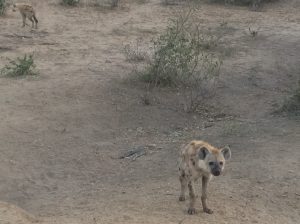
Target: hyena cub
[
  {"x": 26, "y": 11},
  {"x": 200, "y": 159}
]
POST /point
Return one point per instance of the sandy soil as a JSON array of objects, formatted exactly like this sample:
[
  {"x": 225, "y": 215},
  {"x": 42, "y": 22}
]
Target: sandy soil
[{"x": 62, "y": 132}]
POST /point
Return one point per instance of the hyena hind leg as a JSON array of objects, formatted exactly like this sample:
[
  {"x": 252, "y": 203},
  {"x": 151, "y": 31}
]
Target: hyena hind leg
[
  {"x": 24, "y": 20},
  {"x": 183, "y": 184},
  {"x": 32, "y": 21},
  {"x": 36, "y": 21}
]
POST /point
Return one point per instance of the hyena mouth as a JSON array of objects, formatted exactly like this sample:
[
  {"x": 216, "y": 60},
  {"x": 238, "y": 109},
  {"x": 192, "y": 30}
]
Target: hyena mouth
[{"x": 216, "y": 173}]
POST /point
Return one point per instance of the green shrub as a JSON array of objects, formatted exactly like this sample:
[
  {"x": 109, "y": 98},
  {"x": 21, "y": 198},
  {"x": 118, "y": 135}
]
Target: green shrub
[
  {"x": 114, "y": 3},
  {"x": 254, "y": 3},
  {"x": 3, "y": 6},
  {"x": 70, "y": 2},
  {"x": 103, "y": 3},
  {"x": 241, "y": 2},
  {"x": 182, "y": 59},
  {"x": 20, "y": 67},
  {"x": 292, "y": 105},
  {"x": 134, "y": 53}
]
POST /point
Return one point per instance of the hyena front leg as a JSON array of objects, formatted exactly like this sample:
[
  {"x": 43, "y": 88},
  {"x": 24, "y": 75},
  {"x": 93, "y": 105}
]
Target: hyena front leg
[
  {"x": 32, "y": 21},
  {"x": 183, "y": 183},
  {"x": 192, "y": 209},
  {"x": 205, "y": 181},
  {"x": 24, "y": 20}
]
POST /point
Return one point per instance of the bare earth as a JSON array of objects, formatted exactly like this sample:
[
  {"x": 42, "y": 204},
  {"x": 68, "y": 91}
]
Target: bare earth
[{"x": 62, "y": 132}]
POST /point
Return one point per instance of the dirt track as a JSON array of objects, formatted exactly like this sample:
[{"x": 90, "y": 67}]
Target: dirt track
[{"x": 61, "y": 133}]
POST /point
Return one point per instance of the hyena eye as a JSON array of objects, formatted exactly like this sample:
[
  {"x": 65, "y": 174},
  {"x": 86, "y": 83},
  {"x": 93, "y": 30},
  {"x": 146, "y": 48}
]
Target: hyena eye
[
  {"x": 221, "y": 163},
  {"x": 211, "y": 163}
]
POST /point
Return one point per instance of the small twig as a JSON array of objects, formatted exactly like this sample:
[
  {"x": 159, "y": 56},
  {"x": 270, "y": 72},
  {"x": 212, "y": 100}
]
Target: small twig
[
  {"x": 133, "y": 154},
  {"x": 47, "y": 43},
  {"x": 5, "y": 48},
  {"x": 22, "y": 36}
]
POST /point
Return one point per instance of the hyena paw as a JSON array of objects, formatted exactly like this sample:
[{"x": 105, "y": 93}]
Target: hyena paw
[
  {"x": 181, "y": 198},
  {"x": 208, "y": 210},
  {"x": 191, "y": 211}
]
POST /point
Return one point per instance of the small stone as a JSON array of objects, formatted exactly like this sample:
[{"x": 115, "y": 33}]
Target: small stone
[
  {"x": 151, "y": 146},
  {"x": 207, "y": 125}
]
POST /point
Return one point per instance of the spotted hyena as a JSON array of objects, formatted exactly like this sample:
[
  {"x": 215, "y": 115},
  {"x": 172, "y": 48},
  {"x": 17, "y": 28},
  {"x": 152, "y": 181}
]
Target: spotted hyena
[
  {"x": 26, "y": 11},
  {"x": 200, "y": 159}
]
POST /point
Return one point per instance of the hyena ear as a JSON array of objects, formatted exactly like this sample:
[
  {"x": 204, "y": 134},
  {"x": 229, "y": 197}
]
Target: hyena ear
[
  {"x": 226, "y": 152},
  {"x": 203, "y": 153}
]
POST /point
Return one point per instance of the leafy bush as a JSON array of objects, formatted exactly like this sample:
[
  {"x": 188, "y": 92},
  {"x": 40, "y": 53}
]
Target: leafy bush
[
  {"x": 182, "y": 59},
  {"x": 133, "y": 53},
  {"x": 254, "y": 3},
  {"x": 3, "y": 6},
  {"x": 114, "y": 3},
  {"x": 70, "y": 2},
  {"x": 292, "y": 105},
  {"x": 103, "y": 3},
  {"x": 20, "y": 67}
]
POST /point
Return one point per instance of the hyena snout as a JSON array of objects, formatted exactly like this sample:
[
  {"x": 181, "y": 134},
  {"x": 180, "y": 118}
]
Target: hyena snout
[
  {"x": 215, "y": 168},
  {"x": 216, "y": 172}
]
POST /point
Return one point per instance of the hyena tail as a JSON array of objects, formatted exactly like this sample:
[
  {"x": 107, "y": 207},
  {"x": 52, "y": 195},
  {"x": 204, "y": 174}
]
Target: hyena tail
[{"x": 35, "y": 19}]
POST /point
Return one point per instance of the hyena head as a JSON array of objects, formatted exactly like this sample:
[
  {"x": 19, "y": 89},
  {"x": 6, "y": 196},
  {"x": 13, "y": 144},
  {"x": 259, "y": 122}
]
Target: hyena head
[
  {"x": 214, "y": 159},
  {"x": 14, "y": 8}
]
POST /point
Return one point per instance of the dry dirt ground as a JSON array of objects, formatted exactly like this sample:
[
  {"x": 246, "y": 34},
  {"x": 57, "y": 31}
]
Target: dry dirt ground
[{"x": 63, "y": 131}]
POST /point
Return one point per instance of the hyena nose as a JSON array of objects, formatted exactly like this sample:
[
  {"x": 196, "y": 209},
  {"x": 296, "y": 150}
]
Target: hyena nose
[{"x": 217, "y": 173}]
